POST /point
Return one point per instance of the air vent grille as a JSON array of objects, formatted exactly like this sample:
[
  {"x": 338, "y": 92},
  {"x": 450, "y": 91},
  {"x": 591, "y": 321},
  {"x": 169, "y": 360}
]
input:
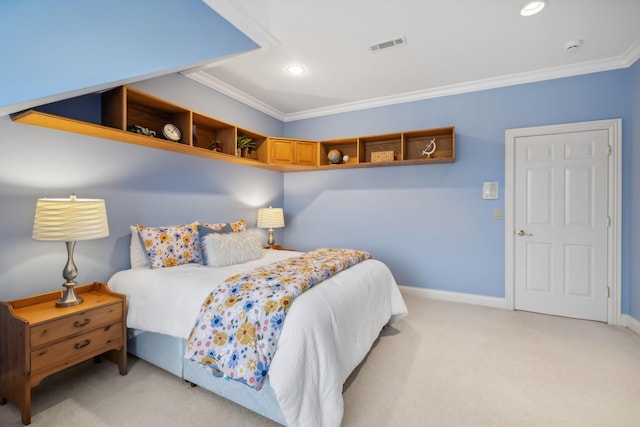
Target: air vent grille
[{"x": 378, "y": 47}]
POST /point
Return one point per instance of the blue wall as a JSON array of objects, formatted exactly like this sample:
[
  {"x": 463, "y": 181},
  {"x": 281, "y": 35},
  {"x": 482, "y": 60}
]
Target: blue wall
[
  {"x": 633, "y": 191},
  {"x": 139, "y": 185},
  {"x": 53, "y": 47},
  {"x": 429, "y": 223}
]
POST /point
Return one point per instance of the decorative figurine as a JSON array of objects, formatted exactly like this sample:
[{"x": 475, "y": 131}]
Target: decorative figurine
[
  {"x": 430, "y": 148},
  {"x": 141, "y": 130},
  {"x": 215, "y": 145}
]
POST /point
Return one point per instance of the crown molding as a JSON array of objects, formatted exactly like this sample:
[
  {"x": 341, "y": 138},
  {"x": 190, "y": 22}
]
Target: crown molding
[
  {"x": 628, "y": 58},
  {"x": 208, "y": 80},
  {"x": 631, "y": 55},
  {"x": 474, "y": 86}
]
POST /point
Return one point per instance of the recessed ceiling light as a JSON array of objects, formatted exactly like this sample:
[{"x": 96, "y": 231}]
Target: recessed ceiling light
[
  {"x": 296, "y": 70},
  {"x": 533, "y": 7}
]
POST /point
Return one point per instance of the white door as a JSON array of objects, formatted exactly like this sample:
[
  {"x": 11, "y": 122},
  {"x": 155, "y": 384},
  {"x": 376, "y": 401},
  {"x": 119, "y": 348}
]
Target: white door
[{"x": 561, "y": 224}]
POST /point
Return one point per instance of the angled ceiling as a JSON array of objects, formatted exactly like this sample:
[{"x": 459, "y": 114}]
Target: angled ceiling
[{"x": 451, "y": 47}]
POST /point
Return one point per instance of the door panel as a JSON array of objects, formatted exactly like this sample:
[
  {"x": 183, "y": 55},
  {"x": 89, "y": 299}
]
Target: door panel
[{"x": 539, "y": 269}]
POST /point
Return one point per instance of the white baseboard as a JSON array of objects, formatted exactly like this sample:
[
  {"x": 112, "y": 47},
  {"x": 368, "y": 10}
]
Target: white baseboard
[
  {"x": 631, "y": 323},
  {"x": 494, "y": 302}
]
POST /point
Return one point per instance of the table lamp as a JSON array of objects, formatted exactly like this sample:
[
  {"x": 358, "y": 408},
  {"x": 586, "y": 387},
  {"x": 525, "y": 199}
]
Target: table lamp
[
  {"x": 270, "y": 218},
  {"x": 69, "y": 220}
]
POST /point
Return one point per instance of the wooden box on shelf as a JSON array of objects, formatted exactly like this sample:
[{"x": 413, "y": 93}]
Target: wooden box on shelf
[
  {"x": 38, "y": 339},
  {"x": 383, "y": 156}
]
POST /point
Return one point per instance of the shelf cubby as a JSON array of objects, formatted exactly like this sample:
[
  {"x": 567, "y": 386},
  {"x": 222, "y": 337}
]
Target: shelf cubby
[
  {"x": 347, "y": 146},
  {"x": 209, "y": 134},
  {"x": 414, "y": 143},
  {"x": 376, "y": 143}
]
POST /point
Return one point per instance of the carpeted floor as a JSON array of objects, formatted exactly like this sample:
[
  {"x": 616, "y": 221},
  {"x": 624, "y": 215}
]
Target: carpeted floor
[{"x": 446, "y": 364}]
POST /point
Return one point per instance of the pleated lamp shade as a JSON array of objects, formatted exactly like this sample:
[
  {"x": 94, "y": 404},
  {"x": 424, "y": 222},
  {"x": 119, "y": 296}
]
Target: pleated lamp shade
[
  {"x": 67, "y": 220},
  {"x": 270, "y": 218}
]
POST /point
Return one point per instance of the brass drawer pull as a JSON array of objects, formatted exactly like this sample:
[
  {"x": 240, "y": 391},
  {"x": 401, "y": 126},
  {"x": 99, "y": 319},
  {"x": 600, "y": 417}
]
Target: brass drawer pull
[
  {"x": 79, "y": 324},
  {"x": 82, "y": 344}
]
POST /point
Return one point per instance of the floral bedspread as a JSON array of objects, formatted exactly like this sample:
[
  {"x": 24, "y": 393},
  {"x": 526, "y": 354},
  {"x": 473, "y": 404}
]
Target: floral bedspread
[{"x": 237, "y": 330}]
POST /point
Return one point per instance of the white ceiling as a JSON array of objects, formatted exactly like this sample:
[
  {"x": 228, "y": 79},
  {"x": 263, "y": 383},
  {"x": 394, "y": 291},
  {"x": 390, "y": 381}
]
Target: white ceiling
[{"x": 452, "y": 46}]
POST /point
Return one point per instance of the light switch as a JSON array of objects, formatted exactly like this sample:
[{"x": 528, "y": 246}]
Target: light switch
[{"x": 497, "y": 213}]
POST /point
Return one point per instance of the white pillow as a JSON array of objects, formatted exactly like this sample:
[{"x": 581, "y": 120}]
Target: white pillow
[
  {"x": 136, "y": 252},
  {"x": 221, "y": 250}
]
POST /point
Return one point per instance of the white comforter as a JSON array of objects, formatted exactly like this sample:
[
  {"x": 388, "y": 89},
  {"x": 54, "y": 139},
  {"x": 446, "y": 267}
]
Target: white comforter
[{"x": 328, "y": 330}]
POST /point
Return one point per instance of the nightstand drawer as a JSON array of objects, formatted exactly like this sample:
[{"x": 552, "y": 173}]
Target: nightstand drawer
[
  {"x": 78, "y": 323},
  {"x": 73, "y": 349}
]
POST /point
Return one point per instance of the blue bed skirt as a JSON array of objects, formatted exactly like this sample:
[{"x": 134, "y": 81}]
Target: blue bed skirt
[{"x": 167, "y": 353}]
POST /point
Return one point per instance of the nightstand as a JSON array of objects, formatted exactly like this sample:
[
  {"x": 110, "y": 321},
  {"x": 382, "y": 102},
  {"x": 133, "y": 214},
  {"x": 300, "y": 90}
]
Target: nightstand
[
  {"x": 38, "y": 339},
  {"x": 279, "y": 248}
]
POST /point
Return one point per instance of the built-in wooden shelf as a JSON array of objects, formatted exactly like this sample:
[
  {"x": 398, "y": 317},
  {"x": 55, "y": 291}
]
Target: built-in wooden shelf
[{"x": 123, "y": 107}]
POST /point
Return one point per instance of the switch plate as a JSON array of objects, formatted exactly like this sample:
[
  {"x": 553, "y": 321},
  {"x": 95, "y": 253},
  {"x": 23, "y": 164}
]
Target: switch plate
[{"x": 497, "y": 213}]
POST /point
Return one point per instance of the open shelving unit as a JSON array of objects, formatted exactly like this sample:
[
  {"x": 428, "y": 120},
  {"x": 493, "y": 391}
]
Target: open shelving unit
[
  {"x": 125, "y": 107},
  {"x": 407, "y": 148}
]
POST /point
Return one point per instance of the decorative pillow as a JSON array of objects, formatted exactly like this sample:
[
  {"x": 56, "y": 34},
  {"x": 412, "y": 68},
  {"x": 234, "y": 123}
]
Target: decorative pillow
[
  {"x": 204, "y": 229},
  {"x": 171, "y": 246},
  {"x": 236, "y": 227},
  {"x": 137, "y": 255},
  {"x": 240, "y": 225},
  {"x": 233, "y": 248},
  {"x": 215, "y": 227}
]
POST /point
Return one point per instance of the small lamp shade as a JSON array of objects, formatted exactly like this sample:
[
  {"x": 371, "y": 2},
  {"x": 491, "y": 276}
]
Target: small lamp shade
[
  {"x": 270, "y": 218},
  {"x": 67, "y": 220}
]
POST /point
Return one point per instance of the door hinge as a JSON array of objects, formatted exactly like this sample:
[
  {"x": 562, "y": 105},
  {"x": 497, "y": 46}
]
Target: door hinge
[
  {"x": 608, "y": 292},
  {"x": 609, "y": 149},
  {"x": 608, "y": 221}
]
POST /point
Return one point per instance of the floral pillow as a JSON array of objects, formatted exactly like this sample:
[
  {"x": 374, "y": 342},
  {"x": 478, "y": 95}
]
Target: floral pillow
[
  {"x": 137, "y": 254},
  {"x": 171, "y": 246},
  {"x": 204, "y": 229},
  {"x": 236, "y": 227}
]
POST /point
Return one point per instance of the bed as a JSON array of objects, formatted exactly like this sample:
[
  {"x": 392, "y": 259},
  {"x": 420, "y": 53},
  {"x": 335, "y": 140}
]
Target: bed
[{"x": 328, "y": 331}]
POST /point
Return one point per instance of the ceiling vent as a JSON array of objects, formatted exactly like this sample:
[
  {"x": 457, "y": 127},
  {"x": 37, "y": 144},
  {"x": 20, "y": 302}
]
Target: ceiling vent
[{"x": 378, "y": 47}]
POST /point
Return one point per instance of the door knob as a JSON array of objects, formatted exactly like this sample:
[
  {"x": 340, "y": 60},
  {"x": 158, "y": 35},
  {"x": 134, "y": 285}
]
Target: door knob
[{"x": 522, "y": 233}]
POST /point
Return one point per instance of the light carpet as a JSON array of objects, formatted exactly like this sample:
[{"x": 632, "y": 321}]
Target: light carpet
[{"x": 446, "y": 364}]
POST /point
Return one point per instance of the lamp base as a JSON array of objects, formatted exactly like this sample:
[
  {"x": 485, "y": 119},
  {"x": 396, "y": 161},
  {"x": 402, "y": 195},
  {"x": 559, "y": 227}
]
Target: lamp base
[
  {"x": 271, "y": 241},
  {"x": 69, "y": 298}
]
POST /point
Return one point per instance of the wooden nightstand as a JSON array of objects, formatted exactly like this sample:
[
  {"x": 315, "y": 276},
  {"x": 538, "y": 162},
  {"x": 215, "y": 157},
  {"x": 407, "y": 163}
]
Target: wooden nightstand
[
  {"x": 279, "y": 248},
  {"x": 38, "y": 339}
]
